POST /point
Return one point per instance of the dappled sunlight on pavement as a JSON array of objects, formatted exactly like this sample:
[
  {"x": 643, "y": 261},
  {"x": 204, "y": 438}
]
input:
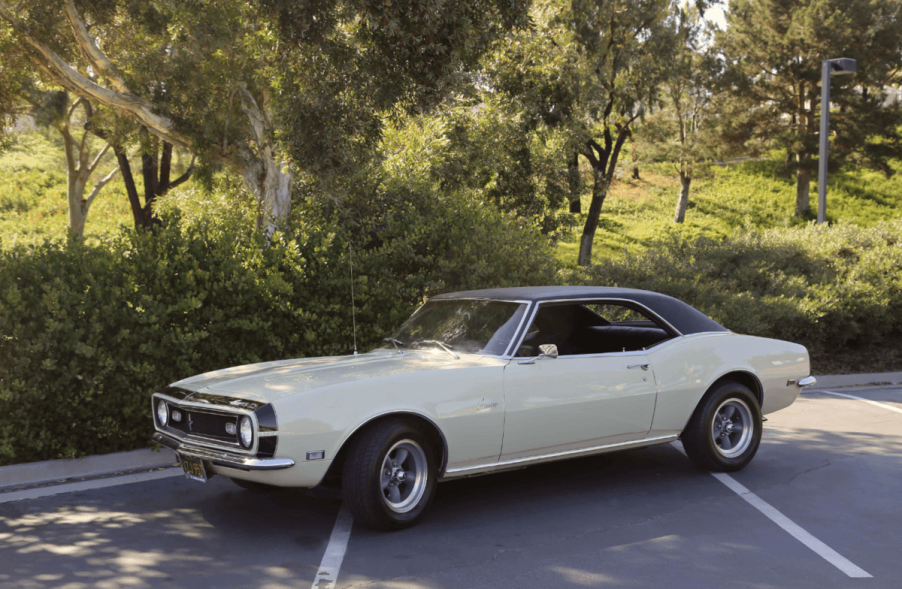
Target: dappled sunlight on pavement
[{"x": 164, "y": 534}]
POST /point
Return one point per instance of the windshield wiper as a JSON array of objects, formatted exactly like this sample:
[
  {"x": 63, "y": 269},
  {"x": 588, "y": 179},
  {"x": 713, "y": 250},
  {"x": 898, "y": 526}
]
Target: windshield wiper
[
  {"x": 442, "y": 345},
  {"x": 393, "y": 342}
]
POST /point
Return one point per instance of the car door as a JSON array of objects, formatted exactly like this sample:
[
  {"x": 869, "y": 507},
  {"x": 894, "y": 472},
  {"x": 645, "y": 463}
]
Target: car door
[
  {"x": 589, "y": 395},
  {"x": 574, "y": 402}
]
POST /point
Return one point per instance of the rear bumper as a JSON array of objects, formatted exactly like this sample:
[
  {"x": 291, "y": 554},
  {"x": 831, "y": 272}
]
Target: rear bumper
[{"x": 226, "y": 459}]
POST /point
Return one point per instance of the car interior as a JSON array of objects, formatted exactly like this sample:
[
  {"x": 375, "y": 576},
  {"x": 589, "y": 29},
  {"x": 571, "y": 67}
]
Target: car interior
[{"x": 591, "y": 328}]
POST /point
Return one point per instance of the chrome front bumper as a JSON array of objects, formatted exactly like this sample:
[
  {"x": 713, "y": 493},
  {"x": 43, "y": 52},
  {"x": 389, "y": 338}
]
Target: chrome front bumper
[
  {"x": 807, "y": 381},
  {"x": 226, "y": 459}
]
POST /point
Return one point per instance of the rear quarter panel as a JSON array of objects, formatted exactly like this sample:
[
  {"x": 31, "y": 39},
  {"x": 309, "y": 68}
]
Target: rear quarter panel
[{"x": 686, "y": 368}]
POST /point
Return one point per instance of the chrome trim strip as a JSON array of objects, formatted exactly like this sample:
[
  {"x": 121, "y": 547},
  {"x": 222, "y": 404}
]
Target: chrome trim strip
[
  {"x": 567, "y": 454},
  {"x": 807, "y": 381},
  {"x": 509, "y": 352},
  {"x": 223, "y": 458}
]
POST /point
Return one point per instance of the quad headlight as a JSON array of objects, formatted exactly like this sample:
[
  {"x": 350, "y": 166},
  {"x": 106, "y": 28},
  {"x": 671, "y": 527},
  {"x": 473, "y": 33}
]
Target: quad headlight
[
  {"x": 246, "y": 432},
  {"x": 162, "y": 413}
]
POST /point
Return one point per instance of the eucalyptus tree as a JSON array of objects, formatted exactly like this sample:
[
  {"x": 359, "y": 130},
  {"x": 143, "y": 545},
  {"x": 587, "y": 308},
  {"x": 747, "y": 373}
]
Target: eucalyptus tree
[
  {"x": 59, "y": 110},
  {"x": 270, "y": 88},
  {"x": 67, "y": 115},
  {"x": 684, "y": 129},
  {"x": 774, "y": 49}
]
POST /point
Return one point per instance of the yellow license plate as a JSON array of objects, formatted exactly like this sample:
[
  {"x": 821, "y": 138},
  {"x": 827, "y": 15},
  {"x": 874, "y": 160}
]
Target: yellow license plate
[{"x": 194, "y": 468}]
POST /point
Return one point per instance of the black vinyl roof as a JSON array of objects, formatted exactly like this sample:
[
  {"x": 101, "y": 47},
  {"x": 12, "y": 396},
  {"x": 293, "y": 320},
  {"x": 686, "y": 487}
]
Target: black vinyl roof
[{"x": 682, "y": 317}]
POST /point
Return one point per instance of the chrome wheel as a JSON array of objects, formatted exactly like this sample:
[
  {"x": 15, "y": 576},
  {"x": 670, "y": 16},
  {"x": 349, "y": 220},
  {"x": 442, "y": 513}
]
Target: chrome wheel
[
  {"x": 732, "y": 428},
  {"x": 404, "y": 475}
]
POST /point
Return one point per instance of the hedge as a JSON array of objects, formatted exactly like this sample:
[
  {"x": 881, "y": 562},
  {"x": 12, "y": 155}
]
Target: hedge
[
  {"x": 829, "y": 288},
  {"x": 89, "y": 331}
]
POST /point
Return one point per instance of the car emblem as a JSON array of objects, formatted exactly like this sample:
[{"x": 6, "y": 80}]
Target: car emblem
[{"x": 483, "y": 406}]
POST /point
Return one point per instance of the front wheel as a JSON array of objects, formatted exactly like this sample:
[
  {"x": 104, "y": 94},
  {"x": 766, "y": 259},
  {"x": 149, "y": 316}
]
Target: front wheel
[
  {"x": 389, "y": 475},
  {"x": 725, "y": 431}
]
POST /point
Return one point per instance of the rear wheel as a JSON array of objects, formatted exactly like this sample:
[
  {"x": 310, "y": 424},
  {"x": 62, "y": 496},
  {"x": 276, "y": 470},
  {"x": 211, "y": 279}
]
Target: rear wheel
[
  {"x": 725, "y": 431},
  {"x": 389, "y": 475}
]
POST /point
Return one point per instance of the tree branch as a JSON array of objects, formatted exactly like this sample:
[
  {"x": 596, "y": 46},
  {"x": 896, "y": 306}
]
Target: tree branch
[
  {"x": 181, "y": 179},
  {"x": 99, "y": 186},
  {"x": 92, "y": 53},
  {"x": 97, "y": 159},
  {"x": 71, "y": 79}
]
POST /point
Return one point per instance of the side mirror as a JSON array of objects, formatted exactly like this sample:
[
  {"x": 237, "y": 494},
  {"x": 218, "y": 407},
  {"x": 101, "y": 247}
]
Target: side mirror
[{"x": 549, "y": 350}]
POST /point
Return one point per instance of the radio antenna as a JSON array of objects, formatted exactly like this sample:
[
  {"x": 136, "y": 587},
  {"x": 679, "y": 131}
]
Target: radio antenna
[{"x": 353, "y": 318}]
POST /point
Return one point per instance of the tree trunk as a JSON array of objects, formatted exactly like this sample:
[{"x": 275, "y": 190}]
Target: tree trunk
[
  {"x": 264, "y": 172},
  {"x": 269, "y": 180},
  {"x": 599, "y": 192},
  {"x": 77, "y": 205},
  {"x": 683, "y": 201},
  {"x": 575, "y": 182},
  {"x": 803, "y": 185}
]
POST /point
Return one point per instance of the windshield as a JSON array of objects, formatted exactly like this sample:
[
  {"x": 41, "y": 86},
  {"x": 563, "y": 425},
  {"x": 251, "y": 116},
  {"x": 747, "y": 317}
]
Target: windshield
[{"x": 473, "y": 327}]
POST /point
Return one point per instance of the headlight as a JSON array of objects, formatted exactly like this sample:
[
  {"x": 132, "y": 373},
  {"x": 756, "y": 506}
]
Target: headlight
[
  {"x": 162, "y": 413},
  {"x": 246, "y": 432}
]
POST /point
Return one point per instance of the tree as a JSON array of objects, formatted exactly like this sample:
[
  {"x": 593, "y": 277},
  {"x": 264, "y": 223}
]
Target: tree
[
  {"x": 624, "y": 47},
  {"x": 588, "y": 67},
  {"x": 774, "y": 48},
  {"x": 58, "y": 110},
  {"x": 684, "y": 129},
  {"x": 268, "y": 87}
]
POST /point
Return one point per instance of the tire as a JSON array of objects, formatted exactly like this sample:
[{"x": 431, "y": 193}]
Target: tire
[
  {"x": 724, "y": 433},
  {"x": 389, "y": 475},
  {"x": 254, "y": 487}
]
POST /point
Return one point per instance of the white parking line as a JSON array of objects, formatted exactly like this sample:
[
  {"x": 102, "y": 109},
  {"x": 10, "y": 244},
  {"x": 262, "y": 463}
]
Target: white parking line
[
  {"x": 883, "y": 405},
  {"x": 335, "y": 551},
  {"x": 794, "y": 530},
  {"x": 39, "y": 492}
]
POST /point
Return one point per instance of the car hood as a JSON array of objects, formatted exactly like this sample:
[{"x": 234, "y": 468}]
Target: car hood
[{"x": 269, "y": 381}]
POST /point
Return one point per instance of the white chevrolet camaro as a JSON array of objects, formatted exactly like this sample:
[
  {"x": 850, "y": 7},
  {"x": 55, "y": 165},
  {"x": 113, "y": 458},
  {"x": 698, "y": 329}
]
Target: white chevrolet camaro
[{"x": 482, "y": 381}]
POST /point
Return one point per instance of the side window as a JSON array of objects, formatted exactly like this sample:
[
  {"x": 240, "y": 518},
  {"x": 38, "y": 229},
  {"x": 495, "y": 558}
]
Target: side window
[
  {"x": 620, "y": 315},
  {"x": 582, "y": 328}
]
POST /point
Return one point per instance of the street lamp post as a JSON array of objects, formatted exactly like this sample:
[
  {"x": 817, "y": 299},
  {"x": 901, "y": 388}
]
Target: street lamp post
[{"x": 830, "y": 67}]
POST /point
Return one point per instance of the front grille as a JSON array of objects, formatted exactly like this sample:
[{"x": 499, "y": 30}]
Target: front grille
[{"x": 207, "y": 425}]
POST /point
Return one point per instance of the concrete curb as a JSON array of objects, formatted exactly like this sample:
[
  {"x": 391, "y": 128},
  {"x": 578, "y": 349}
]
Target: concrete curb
[
  {"x": 36, "y": 473},
  {"x": 835, "y": 381}
]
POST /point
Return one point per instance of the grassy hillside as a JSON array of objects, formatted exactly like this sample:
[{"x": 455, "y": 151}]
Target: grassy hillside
[
  {"x": 725, "y": 199},
  {"x": 33, "y": 192}
]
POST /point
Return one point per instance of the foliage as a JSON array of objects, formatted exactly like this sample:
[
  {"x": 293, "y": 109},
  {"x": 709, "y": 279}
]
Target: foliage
[
  {"x": 268, "y": 88},
  {"x": 774, "y": 50},
  {"x": 825, "y": 287},
  {"x": 483, "y": 147},
  {"x": 89, "y": 330}
]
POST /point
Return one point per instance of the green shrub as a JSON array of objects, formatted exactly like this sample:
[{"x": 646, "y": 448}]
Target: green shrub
[
  {"x": 825, "y": 287},
  {"x": 89, "y": 331}
]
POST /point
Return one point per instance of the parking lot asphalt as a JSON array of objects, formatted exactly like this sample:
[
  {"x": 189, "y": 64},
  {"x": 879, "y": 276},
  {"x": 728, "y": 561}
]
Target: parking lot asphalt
[{"x": 829, "y": 465}]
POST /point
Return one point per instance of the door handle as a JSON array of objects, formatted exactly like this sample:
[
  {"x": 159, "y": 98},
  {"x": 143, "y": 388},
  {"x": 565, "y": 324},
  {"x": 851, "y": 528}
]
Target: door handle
[{"x": 642, "y": 366}]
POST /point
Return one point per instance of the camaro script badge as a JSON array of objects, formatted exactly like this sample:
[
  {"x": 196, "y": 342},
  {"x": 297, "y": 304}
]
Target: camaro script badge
[{"x": 483, "y": 406}]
